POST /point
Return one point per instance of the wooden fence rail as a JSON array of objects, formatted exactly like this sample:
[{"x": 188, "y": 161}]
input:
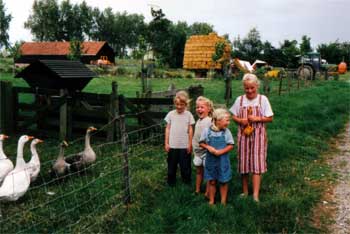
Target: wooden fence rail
[{"x": 57, "y": 111}]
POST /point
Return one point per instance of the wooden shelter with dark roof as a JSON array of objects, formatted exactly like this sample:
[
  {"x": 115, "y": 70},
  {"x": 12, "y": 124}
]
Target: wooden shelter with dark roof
[
  {"x": 91, "y": 51},
  {"x": 57, "y": 74}
]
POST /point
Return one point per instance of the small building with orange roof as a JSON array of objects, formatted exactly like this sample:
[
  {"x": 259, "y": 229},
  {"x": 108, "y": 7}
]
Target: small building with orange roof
[{"x": 91, "y": 51}]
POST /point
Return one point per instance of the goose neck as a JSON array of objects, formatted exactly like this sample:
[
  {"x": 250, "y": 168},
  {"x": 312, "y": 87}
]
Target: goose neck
[
  {"x": 2, "y": 154},
  {"x": 61, "y": 153},
  {"x": 33, "y": 149},
  {"x": 87, "y": 140},
  {"x": 20, "y": 161}
]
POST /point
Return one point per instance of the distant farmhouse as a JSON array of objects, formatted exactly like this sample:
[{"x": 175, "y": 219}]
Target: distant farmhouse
[{"x": 92, "y": 51}]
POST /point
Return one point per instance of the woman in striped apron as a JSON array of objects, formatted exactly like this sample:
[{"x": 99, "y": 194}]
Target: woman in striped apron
[{"x": 251, "y": 112}]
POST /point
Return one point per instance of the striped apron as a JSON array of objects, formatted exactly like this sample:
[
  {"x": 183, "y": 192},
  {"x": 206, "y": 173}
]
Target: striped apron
[{"x": 252, "y": 150}]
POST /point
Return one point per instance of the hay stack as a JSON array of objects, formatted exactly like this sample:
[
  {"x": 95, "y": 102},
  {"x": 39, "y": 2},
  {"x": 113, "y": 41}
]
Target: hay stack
[{"x": 199, "y": 50}]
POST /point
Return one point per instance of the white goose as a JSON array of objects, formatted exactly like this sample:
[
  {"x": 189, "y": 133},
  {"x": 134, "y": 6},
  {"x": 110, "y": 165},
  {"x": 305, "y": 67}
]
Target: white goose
[
  {"x": 17, "y": 182},
  {"x": 60, "y": 167},
  {"x": 5, "y": 164},
  {"x": 87, "y": 156},
  {"x": 34, "y": 164}
]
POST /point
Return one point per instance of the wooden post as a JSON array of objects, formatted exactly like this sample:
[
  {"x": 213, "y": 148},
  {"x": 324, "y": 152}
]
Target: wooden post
[
  {"x": 63, "y": 115},
  {"x": 280, "y": 86},
  {"x": 126, "y": 178},
  {"x": 194, "y": 92},
  {"x": 113, "y": 109},
  {"x": 15, "y": 108},
  {"x": 326, "y": 74},
  {"x": 6, "y": 108},
  {"x": 228, "y": 89},
  {"x": 289, "y": 83}
]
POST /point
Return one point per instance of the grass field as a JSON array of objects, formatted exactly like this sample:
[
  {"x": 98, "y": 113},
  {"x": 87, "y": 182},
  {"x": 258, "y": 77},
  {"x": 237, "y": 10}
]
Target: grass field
[{"x": 304, "y": 121}]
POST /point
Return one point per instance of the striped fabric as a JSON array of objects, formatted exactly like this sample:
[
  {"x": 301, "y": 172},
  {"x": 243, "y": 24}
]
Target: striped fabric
[{"x": 252, "y": 150}]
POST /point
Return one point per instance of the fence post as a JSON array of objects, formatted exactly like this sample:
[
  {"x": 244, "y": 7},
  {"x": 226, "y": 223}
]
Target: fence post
[
  {"x": 194, "y": 92},
  {"x": 126, "y": 178},
  {"x": 113, "y": 112},
  {"x": 280, "y": 86},
  {"x": 6, "y": 107},
  {"x": 63, "y": 115}
]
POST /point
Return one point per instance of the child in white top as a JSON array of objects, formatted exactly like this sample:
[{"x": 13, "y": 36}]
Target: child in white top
[
  {"x": 178, "y": 139},
  {"x": 204, "y": 109}
]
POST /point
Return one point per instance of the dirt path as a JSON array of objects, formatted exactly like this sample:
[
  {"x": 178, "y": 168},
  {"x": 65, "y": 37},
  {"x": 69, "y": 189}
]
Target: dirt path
[
  {"x": 341, "y": 165},
  {"x": 333, "y": 212}
]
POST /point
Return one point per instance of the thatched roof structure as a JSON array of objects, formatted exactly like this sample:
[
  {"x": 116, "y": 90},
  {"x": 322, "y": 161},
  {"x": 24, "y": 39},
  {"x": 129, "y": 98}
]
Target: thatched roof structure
[{"x": 199, "y": 50}]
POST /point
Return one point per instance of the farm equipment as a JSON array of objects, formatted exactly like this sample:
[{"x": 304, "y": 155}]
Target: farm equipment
[
  {"x": 311, "y": 64},
  {"x": 102, "y": 61}
]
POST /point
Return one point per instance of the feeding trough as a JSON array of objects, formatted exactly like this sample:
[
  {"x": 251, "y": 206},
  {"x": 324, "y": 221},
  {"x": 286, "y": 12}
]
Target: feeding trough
[{"x": 57, "y": 74}]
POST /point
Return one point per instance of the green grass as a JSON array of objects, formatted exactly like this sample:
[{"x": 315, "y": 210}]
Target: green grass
[{"x": 304, "y": 121}]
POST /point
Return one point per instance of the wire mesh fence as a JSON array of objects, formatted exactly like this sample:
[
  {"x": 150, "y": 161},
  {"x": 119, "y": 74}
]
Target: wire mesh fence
[{"x": 82, "y": 201}]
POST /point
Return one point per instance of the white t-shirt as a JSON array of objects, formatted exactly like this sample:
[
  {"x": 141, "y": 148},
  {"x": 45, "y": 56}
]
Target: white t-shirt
[
  {"x": 201, "y": 124},
  {"x": 265, "y": 105},
  {"x": 178, "y": 135}
]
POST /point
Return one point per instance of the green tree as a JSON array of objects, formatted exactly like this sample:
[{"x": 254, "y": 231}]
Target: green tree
[
  {"x": 15, "y": 50},
  {"x": 199, "y": 28},
  {"x": 75, "y": 50},
  {"x": 43, "y": 22},
  {"x": 159, "y": 35},
  {"x": 290, "y": 52},
  {"x": 250, "y": 47},
  {"x": 5, "y": 20},
  {"x": 335, "y": 52},
  {"x": 178, "y": 40},
  {"x": 52, "y": 22},
  {"x": 86, "y": 19},
  {"x": 272, "y": 55},
  {"x": 70, "y": 22},
  {"x": 305, "y": 45}
]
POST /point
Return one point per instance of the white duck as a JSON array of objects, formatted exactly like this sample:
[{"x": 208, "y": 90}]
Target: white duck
[
  {"x": 17, "y": 182},
  {"x": 87, "y": 156},
  {"x": 60, "y": 167},
  {"x": 5, "y": 164},
  {"x": 34, "y": 164}
]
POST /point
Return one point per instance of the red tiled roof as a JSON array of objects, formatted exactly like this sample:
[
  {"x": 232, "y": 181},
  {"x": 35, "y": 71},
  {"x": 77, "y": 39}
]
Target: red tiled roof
[{"x": 59, "y": 48}]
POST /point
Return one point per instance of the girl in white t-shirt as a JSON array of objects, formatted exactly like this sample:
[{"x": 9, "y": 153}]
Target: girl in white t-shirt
[
  {"x": 251, "y": 112},
  {"x": 178, "y": 139},
  {"x": 204, "y": 110}
]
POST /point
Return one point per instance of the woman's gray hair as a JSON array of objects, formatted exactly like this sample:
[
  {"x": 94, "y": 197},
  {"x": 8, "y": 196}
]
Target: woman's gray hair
[{"x": 249, "y": 77}]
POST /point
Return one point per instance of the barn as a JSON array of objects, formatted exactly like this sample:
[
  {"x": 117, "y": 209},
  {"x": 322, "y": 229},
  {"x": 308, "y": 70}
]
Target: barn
[
  {"x": 57, "y": 74},
  {"x": 92, "y": 51}
]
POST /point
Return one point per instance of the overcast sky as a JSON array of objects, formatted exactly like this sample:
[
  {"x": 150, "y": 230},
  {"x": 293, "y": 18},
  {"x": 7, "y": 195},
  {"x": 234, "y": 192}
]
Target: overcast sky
[{"x": 323, "y": 20}]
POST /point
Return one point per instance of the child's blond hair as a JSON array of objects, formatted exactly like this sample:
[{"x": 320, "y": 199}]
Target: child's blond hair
[
  {"x": 208, "y": 102},
  {"x": 182, "y": 97},
  {"x": 252, "y": 78},
  {"x": 218, "y": 114}
]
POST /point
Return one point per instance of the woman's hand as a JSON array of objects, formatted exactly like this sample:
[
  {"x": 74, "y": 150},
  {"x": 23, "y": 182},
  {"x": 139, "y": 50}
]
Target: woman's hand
[
  {"x": 243, "y": 122},
  {"x": 252, "y": 118}
]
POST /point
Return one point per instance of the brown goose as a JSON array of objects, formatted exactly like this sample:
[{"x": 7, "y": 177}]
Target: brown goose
[
  {"x": 86, "y": 157},
  {"x": 60, "y": 167}
]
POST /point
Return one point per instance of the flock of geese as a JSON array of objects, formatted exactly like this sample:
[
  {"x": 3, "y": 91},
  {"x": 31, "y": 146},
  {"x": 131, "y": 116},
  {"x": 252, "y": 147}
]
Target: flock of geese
[{"x": 15, "y": 180}]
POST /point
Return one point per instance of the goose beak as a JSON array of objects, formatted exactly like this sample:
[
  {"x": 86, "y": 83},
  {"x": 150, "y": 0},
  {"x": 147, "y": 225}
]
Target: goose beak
[
  {"x": 30, "y": 137},
  {"x": 5, "y": 136},
  {"x": 93, "y": 129},
  {"x": 40, "y": 141}
]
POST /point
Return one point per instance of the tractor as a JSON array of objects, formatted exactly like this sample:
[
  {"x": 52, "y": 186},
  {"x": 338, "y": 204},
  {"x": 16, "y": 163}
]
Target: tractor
[{"x": 311, "y": 64}]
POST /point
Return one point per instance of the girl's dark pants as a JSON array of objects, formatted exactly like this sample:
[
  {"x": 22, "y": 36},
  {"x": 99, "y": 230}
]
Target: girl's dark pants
[{"x": 179, "y": 156}]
